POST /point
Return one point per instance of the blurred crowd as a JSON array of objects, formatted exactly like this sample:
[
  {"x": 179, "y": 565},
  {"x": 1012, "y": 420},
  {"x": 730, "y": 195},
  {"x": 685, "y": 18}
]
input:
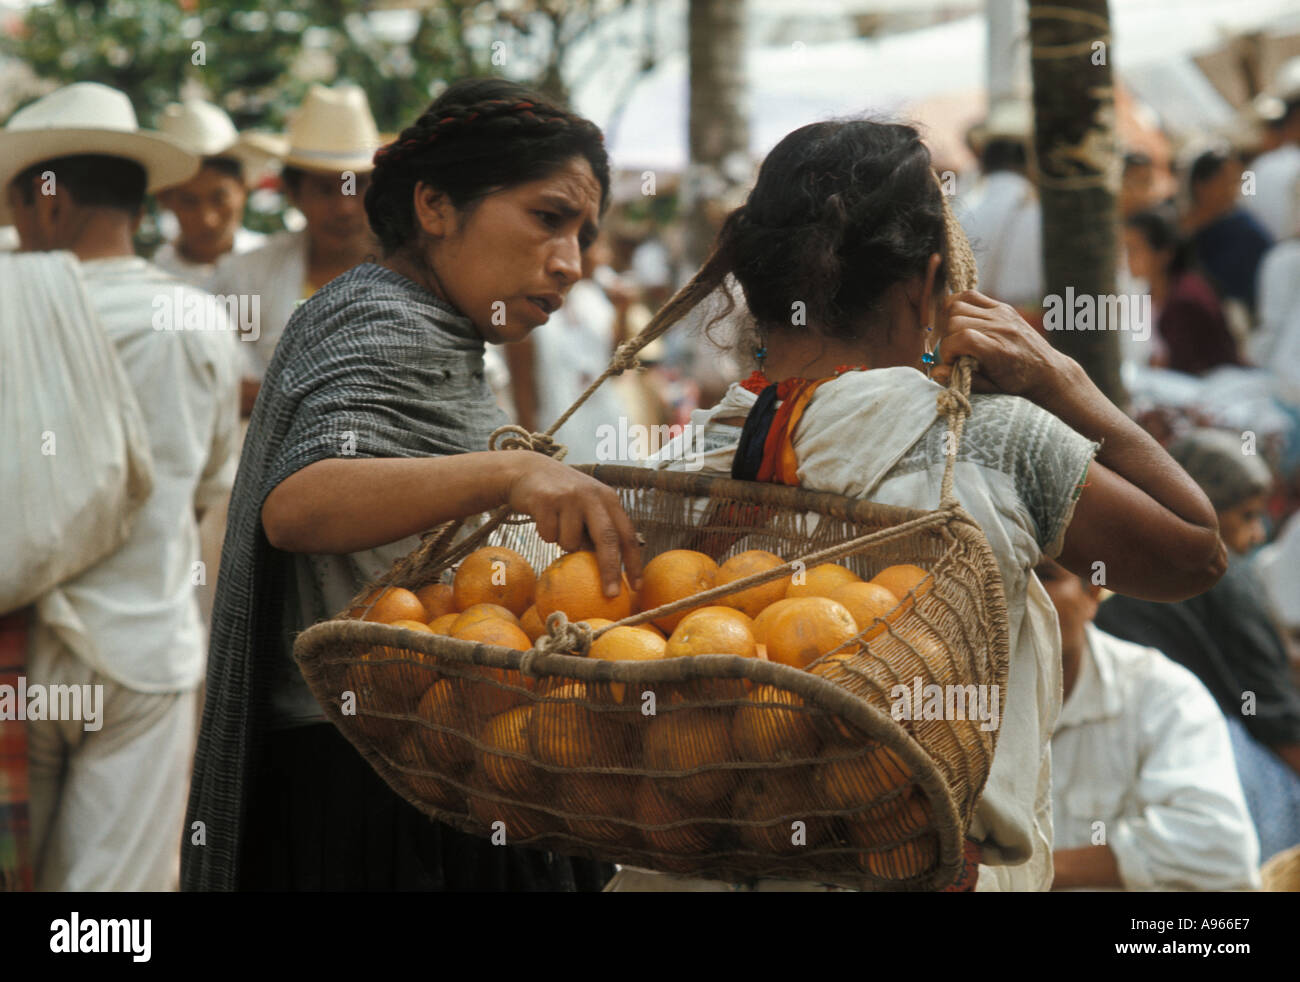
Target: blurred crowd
[{"x": 1191, "y": 758}]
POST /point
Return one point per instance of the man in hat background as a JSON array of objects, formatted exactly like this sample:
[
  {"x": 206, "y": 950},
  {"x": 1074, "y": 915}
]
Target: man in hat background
[
  {"x": 327, "y": 157},
  {"x": 1276, "y": 201},
  {"x": 1001, "y": 214},
  {"x": 209, "y": 207},
  {"x": 108, "y": 803}
]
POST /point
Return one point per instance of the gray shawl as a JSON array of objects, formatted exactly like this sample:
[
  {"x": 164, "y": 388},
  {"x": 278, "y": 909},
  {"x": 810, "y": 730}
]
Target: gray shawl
[{"x": 372, "y": 365}]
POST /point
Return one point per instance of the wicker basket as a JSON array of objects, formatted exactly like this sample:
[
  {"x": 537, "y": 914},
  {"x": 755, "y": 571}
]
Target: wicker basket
[{"x": 717, "y": 766}]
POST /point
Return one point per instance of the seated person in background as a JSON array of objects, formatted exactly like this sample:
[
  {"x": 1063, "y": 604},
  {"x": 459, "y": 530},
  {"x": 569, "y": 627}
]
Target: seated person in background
[
  {"x": 1189, "y": 318},
  {"x": 1226, "y": 637},
  {"x": 1145, "y": 793},
  {"x": 1229, "y": 242}
]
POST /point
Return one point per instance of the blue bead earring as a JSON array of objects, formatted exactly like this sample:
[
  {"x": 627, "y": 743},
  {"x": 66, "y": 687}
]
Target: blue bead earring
[{"x": 928, "y": 357}]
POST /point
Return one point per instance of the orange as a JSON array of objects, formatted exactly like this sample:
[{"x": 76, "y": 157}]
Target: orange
[
  {"x": 413, "y": 626},
  {"x": 437, "y": 599},
  {"x": 712, "y": 631},
  {"x": 854, "y": 781},
  {"x": 891, "y": 822},
  {"x": 903, "y": 579},
  {"x": 652, "y": 807},
  {"x": 744, "y": 564},
  {"x": 566, "y": 733},
  {"x": 778, "y": 798},
  {"x": 429, "y": 787},
  {"x": 443, "y": 624},
  {"x": 912, "y": 858},
  {"x": 484, "y": 698},
  {"x": 672, "y": 576},
  {"x": 520, "y": 823},
  {"x": 820, "y": 581},
  {"x": 867, "y": 602},
  {"x": 479, "y": 612},
  {"x": 766, "y": 616},
  {"x": 494, "y": 575},
  {"x": 503, "y": 736},
  {"x": 764, "y": 732},
  {"x": 532, "y": 623},
  {"x": 610, "y": 796},
  {"x": 572, "y": 584},
  {"x": 807, "y": 629},
  {"x": 627, "y": 644},
  {"x": 388, "y": 604},
  {"x": 686, "y": 739},
  {"x": 439, "y": 706}
]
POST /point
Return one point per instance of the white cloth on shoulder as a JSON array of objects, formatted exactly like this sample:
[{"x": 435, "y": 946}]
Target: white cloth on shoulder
[{"x": 878, "y": 435}]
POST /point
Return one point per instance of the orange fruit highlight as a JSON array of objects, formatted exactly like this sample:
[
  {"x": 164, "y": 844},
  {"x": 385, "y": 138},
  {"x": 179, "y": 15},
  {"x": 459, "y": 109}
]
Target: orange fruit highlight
[
  {"x": 482, "y": 612},
  {"x": 445, "y": 751},
  {"x": 744, "y": 564},
  {"x": 495, "y": 575},
  {"x": 807, "y": 629},
  {"x": 568, "y": 734},
  {"x": 503, "y": 735},
  {"x": 443, "y": 624},
  {"x": 627, "y": 644},
  {"x": 388, "y": 604},
  {"x": 572, "y": 584},
  {"x": 652, "y": 807},
  {"x": 903, "y": 579},
  {"x": 485, "y": 699},
  {"x": 856, "y": 781},
  {"x": 820, "y": 581},
  {"x": 690, "y": 738},
  {"x": 867, "y": 602},
  {"x": 712, "y": 631},
  {"x": 766, "y": 617},
  {"x": 765, "y": 732},
  {"x": 437, "y": 599},
  {"x": 672, "y": 576}
]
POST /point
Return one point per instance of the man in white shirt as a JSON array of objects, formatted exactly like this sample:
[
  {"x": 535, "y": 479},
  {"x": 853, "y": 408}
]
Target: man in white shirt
[
  {"x": 1001, "y": 214},
  {"x": 209, "y": 207},
  {"x": 1145, "y": 792},
  {"x": 327, "y": 156},
  {"x": 1276, "y": 201},
  {"x": 108, "y": 802}
]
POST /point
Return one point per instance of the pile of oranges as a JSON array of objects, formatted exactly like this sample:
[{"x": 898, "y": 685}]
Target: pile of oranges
[{"x": 497, "y": 598}]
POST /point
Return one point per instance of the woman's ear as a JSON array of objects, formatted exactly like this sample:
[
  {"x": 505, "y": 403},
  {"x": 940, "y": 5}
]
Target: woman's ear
[{"x": 433, "y": 211}]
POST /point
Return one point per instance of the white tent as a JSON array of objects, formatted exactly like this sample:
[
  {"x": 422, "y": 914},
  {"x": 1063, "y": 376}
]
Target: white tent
[{"x": 791, "y": 85}]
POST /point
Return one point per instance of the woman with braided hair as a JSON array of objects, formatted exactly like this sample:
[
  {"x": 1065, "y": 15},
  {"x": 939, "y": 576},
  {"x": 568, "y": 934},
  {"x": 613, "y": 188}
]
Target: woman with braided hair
[
  {"x": 844, "y": 253},
  {"x": 372, "y": 426}
]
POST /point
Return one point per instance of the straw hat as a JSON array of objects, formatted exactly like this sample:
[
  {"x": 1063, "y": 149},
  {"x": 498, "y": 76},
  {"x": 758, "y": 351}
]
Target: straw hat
[
  {"x": 83, "y": 118},
  {"x": 206, "y": 130},
  {"x": 333, "y": 130}
]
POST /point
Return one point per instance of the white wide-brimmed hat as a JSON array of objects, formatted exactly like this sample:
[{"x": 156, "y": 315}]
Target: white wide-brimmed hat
[
  {"x": 85, "y": 118},
  {"x": 333, "y": 130},
  {"x": 208, "y": 131}
]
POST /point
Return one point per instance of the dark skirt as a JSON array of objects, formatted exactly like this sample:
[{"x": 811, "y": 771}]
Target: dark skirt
[{"x": 319, "y": 818}]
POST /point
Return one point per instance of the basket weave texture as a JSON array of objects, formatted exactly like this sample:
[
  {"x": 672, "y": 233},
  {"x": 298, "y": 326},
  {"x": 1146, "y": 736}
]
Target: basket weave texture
[{"x": 714, "y": 765}]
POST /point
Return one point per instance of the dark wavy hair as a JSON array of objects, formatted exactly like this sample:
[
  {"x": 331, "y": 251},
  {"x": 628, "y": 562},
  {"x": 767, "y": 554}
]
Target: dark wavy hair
[
  {"x": 481, "y": 135},
  {"x": 840, "y": 212}
]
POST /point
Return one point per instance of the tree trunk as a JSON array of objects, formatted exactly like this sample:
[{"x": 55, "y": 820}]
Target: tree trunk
[
  {"x": 1078, "y": 172},
  {"x": 719, "y": 126}
]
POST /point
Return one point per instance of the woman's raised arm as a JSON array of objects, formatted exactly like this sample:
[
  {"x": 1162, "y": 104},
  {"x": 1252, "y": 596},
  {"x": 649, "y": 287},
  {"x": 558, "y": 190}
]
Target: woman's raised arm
[
  {"x": 1139, "y": 514},
  {"x": 348, "y": 505}
]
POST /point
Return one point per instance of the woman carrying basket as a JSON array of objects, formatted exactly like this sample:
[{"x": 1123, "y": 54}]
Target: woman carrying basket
[
  {"x": 372, "y": 426},
  {"x": 844, "y": 250}
]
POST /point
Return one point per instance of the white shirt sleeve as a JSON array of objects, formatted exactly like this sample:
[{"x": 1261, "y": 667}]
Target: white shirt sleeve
[{"x": 1187, "y": 827}]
